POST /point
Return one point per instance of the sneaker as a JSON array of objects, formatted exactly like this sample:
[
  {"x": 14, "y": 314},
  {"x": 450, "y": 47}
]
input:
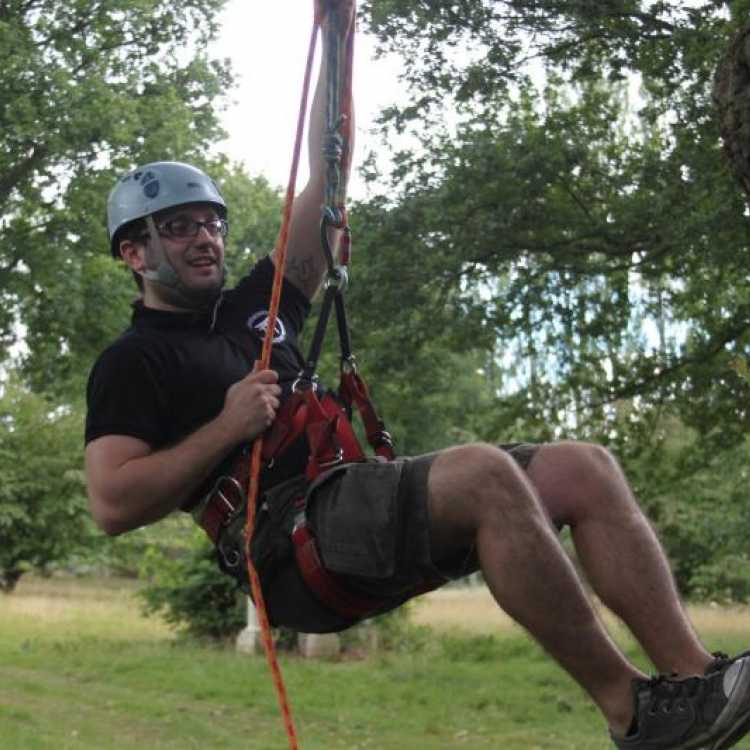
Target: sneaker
[{"x": 697, "y": 713}]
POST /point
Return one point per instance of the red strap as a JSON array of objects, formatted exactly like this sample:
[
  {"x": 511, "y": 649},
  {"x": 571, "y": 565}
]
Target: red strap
[
  {"x": 323, "y": 584},
  {"x": 330, "y": 434},
  {"x": 287, "y": 427},
  {"x": 225, "y": 498},
  {"x": 354, "y": 390},
  {"x": 212, "y": 520}
]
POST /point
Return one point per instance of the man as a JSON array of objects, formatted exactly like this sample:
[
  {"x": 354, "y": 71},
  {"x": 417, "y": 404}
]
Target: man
[{"x": 177, "y": 394}]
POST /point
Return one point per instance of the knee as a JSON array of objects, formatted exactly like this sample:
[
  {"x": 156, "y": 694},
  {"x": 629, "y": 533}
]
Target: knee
[
  {"x": 595, "y": 465},
  {"x": 576, "y": 479},
  {"x": 488, "y": 478},
  {"x": 485, "y": 464}
]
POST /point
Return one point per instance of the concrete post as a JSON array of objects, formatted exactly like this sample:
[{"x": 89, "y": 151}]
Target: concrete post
[
  {"x": 319, "y": 645},
  {"x": 248, "y": 640}
]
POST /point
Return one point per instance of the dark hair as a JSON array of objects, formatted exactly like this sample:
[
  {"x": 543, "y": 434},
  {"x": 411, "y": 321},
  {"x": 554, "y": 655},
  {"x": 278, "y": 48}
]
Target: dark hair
[{"x": 134, "y": 231}]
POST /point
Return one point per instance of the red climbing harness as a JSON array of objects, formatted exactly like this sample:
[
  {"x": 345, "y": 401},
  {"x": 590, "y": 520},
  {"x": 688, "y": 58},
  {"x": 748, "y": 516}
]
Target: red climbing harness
[
  {"x": 325, "y": 420},
  {"x": 323, "y": 417}
]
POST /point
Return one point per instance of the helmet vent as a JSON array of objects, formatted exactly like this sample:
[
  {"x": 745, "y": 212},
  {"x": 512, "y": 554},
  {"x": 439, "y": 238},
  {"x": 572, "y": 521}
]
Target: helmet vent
[{"x": 151, "y": 189}]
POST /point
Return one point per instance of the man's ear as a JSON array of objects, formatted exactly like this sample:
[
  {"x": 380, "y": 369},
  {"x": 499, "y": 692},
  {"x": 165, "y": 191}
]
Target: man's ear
[{"x": 134, "y": 255}]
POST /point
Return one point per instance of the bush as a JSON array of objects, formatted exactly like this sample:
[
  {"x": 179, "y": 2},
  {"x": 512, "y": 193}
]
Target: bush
[
  {"x": 192, "y": 594},
  {"x": 44, "y": 520},
  {"x": 725, "y": 581}
]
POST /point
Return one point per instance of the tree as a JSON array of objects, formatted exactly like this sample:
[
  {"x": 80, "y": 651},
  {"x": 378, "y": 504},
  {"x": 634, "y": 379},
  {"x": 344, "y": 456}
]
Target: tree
[
  {"x": 612, "y": 236},
  {"x": 90, "y": 89},
  {"x": 254, "y": 218},
  {"x": 588, "y": 238},
  {"x": 43, "y": 512}
]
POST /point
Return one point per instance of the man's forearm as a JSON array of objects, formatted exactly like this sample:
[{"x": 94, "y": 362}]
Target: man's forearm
[{"x": 145, "y": 488}]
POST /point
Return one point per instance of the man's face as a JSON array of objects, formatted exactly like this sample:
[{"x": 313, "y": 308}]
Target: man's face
[{"x": 196, "y": 253}]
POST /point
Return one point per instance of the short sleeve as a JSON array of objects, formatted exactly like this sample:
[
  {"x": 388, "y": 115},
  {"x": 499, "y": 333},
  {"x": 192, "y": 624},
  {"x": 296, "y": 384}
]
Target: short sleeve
[
  {"x": 256, "y": 286},
  {"x": 126, "y": 395}
]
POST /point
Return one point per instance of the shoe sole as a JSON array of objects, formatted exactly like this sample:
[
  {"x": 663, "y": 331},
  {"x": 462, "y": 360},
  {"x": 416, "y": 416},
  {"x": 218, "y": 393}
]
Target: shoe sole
[
  {"x": 736, "y": 733},
  {"x": 741, "y": 724}
]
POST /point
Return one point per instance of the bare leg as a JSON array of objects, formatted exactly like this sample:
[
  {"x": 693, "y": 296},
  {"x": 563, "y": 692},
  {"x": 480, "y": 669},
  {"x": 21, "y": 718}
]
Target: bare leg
[
  {"x": 477, "y": 494},
  {"x": 582, "y": 485}
]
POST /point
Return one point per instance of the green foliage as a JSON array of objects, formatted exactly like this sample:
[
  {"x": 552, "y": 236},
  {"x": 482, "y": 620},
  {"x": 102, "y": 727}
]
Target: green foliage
[
  {"x": 694, "y": 489},
  {"x": 254, "y": 216},
  {"x": 397, "y": 633},
  {"x": 593, "y": 242},
  {"x": 43, "y": 513},
  {"x": 570, "y": 228},
  {"x": 725, "y": 580},
  {"x": 192, "y": 594},
  {"x": 740, "y": 366},
  {"x": 139, "y": 553},
  {"x": 89, "y": 90}
]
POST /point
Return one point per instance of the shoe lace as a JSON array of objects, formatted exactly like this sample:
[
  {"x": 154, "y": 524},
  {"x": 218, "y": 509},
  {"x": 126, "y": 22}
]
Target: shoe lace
[
  {"x": 669, "y": 695},
  {"x": 721, "y": 660}
]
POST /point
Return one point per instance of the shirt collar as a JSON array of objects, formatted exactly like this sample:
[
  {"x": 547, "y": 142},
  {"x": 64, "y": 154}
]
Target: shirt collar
[{"x": 149, "y": 317}]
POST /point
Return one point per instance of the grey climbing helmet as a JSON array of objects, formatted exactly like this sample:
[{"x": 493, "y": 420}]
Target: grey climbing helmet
[{"x": 154, "y": 187}]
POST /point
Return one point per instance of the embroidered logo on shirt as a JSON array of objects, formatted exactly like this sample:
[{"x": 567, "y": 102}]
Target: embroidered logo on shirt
[{"x": 259, "y": 322}]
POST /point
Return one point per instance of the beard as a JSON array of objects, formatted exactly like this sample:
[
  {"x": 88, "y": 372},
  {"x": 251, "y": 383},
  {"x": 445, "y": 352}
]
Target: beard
[
  {"x": 192, "y": 299},
  {"x": 170, "y": 289}
]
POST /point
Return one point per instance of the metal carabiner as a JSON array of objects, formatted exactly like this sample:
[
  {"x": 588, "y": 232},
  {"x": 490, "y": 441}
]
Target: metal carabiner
[
  {"x": 302, "y": 383},
  {"x": 338, "y": 277},
  {"x": 349, "y": 364},
  {"x": 231, "y": 558}
]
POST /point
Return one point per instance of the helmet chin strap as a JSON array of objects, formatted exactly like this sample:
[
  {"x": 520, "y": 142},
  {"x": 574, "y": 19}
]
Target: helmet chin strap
[{"x": 160, "y": 271}]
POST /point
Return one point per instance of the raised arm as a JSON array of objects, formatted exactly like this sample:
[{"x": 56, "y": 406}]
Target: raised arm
[{"x": 305, "y": 263}]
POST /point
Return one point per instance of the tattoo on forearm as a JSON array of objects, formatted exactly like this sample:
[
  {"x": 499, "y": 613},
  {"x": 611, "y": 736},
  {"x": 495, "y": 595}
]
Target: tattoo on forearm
[{"x": 303, "y": 269}]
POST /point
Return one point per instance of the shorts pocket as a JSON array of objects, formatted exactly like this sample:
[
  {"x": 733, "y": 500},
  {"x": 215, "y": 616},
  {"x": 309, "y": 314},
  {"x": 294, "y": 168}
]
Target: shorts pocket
[
  {"x": 272, "y": 542},
  {"x": 355, "y": 519}
]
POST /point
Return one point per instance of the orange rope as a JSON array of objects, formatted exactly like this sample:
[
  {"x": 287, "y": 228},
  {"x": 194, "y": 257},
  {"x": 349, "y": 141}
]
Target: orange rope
[{"x": 264, "y": 362}]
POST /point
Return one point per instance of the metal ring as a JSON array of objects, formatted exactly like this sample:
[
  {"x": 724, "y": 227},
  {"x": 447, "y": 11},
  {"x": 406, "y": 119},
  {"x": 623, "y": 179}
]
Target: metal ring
[
  {"x": 231, "y": 559},
  {"x": 309, "y": 383},
  {"x": 338, "y": 277},
  {"x": 237, "y": 487},
  {"x": 339, "y": 458}
]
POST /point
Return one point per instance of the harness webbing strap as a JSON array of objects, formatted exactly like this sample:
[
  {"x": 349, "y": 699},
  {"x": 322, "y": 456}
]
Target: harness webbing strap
[
  {"x": 323, "y": 584},
  {"x": 354, "y": 390}
]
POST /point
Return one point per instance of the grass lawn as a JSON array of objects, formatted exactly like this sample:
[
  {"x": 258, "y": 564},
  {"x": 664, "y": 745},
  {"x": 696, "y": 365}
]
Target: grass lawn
[{"x": 80, "y": 668}]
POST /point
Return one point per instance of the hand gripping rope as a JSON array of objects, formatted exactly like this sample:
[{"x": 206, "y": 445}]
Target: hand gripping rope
[{"x": 332, "y": 178}]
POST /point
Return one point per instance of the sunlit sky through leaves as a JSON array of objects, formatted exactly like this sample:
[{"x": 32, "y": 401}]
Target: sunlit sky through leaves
[{"x": 267, "y": 43}]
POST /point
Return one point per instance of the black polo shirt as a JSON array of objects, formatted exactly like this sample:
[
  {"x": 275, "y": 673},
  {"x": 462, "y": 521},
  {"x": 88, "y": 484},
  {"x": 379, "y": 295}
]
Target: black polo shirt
[{"x": 168, "y": 373}]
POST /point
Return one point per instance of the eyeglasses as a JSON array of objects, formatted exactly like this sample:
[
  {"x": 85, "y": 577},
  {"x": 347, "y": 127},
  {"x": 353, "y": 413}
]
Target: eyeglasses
[{"x": 183, "y": 227}]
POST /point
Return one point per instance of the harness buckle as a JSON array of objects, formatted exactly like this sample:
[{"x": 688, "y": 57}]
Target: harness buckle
[
  {"x": 339, "y": 457},
  {"x": 236, "y": 487}
]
